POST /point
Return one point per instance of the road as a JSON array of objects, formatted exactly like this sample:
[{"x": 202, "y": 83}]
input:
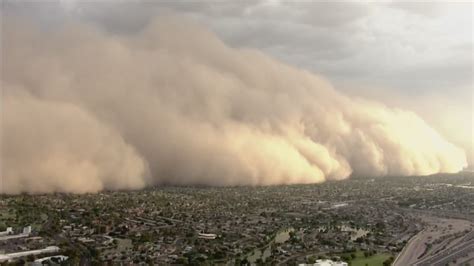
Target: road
[
  {"x": 442, "y": 240},
  {"x": 449, "y": 255},
  {"x": 411, "y": 251}
]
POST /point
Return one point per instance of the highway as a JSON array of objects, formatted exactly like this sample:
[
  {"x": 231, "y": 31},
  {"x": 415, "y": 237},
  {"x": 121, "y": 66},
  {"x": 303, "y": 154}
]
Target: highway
[
  {"x": 411, "y": 251},
  {"x": 442, "y": 241},
  {"x": 449, "y": 255}
]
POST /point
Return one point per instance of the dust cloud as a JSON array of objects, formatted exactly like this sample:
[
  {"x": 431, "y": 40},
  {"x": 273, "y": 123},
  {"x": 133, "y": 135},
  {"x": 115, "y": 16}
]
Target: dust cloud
[{"x": 84, "y": 110}]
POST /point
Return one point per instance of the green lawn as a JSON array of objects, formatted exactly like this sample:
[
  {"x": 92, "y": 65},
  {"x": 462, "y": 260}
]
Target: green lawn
[{"x": 375, "y": 260}]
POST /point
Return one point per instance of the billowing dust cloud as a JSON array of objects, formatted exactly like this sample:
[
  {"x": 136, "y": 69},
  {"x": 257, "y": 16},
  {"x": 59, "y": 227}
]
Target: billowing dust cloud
[{"x": 84, "y": 110}]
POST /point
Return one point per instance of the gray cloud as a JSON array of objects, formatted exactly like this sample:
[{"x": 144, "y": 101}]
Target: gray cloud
[
  {"x": 431, "y": 9},
  {"x": 367, "y": 44}
]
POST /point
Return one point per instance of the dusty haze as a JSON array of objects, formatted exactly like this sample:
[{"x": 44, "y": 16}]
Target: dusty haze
[{"x": 84, "y": 110}]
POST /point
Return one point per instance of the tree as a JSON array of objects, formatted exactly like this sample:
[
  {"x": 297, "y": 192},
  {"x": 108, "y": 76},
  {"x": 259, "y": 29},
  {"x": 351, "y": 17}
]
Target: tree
[
  {"x": 388, "y": 261},
  {"x": 30, "y": 258},
  {"x": 238, "y": 262}
]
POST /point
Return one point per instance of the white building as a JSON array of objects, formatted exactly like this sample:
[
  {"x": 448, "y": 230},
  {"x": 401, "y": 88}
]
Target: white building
[
  {"x": 9, "y": 231},
  {"x": 207, "y": 236},
  {"x": 326, "y": 263},
  {"x": 58, "y": 258},
  {"x": 17, "y": 255},
  {"x": 27, "y": 230},
  {"x": 6, "y": 235}
]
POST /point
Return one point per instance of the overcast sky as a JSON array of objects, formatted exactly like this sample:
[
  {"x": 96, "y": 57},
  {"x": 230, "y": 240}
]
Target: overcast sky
[
  {"x": 414, "y": 47},
  {"x": 414, "y": 55}
]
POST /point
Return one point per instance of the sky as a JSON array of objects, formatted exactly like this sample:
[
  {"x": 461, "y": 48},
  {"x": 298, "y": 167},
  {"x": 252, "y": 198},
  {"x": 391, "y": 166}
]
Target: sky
[
  {"x": 415, "y": 56},
  {"x": 418, "y": 52},
  {"x": 402, "y": 46}
]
